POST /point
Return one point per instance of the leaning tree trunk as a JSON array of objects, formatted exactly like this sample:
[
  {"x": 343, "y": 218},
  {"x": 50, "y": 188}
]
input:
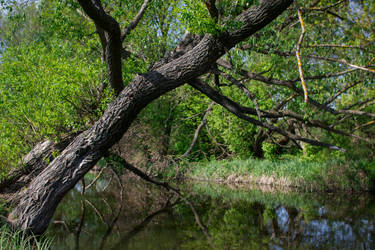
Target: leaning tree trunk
[{"x": 39, "y": 201}]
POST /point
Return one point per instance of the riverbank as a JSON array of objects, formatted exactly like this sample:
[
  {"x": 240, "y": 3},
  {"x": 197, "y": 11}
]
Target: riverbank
[{"x": 304, "y": 175}]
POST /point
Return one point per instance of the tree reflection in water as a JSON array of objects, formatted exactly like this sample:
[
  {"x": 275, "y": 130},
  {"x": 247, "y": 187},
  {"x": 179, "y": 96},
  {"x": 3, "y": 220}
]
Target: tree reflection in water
[{"x": 149, "y": 217}]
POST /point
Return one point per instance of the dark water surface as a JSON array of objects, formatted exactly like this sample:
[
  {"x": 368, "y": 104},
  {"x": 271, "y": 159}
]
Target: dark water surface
[{"x": 221, "y": 217}]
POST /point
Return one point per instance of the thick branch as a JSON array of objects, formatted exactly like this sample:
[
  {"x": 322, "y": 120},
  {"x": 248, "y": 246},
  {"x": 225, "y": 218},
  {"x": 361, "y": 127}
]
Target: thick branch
[
  {"x": 264, "y": 13},
  {"x": 113, "y": 41},
  {"x": 95, "y": 11},
  {"x": 211, "y": 7}
]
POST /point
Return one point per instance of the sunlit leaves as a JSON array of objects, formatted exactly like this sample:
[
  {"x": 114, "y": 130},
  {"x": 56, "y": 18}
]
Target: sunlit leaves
[
  {"x": 196, "y": 18},
  {"x": 41, "y": 92}
]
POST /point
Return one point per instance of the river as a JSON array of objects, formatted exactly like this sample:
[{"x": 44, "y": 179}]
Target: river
[{"x": 127, "y": 213}]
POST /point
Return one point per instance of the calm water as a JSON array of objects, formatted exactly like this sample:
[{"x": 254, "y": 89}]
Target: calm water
[{"x": 216, "y": 216}]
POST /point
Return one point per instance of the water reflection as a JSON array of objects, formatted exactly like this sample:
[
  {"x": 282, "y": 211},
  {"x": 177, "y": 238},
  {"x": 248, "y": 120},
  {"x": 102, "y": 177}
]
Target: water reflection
[{"x": 148, "y": 217}]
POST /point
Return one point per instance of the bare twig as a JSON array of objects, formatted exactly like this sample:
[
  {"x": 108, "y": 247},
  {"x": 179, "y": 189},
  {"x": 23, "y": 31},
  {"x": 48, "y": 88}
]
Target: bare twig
[
  {"x": 117, "y": 215},
  {"x": 328, "y": 59},
  {"x": 219, "y": 145},
  {"x": 133, "y": 24},
  {"x": 199, "y": 128},
  {"x": 96, "y": 178},
  {"x": 339, "y": 46},
  {"x": 332, "y": 98},
  {"x": 80, "y": 225},
  {"x": 290, "y": 85},
  {"x": 298, "y": 52},
  {"x": 361, "y": 103},
  {"x": 284, "y": 102},
  {"x": 96, "y": 211},
  {"x": 243, "y": 88},
  {"x": 364, "y": 125},
  {"x": 139, "y": 173},
  {"x": 328, "y": 7}
]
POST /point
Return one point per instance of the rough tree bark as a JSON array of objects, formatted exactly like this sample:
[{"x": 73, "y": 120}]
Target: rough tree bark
[
  {"x": 39, "y": 201},
  {"x": 32, "y": 165}
]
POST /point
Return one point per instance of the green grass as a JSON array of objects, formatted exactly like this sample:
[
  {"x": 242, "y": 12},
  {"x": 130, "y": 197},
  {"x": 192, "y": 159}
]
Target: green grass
[
  {"x": 10, "y": 240},
  {"x": 307, "y": 175}
]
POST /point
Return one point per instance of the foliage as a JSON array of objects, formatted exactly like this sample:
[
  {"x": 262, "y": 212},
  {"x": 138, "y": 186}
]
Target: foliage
[
  {"x": 269, "y": 150},
  {"x": 45, "y": 91},
  {"x": 196, "y": 17}
]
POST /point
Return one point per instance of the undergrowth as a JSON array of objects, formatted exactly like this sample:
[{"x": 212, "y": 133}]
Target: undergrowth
[{"x": 10, "y": 240}]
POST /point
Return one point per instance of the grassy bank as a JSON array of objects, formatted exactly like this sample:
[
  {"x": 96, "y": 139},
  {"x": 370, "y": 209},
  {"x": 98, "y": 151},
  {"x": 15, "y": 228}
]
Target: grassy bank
[
  {"x": 306, "y": 175},
  {"x": 10, "y": 240}
]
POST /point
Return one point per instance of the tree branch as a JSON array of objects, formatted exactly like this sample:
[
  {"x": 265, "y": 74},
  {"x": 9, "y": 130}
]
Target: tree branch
[
  {"x": 211, "y": 6},
  {"x": 113, "y": 41},
  {"x": 328, "y": 59},
  {"x": 236, "y": 109},
  {"x": 136, "y": 20},
  {"x": 338, "y": 93},
  {"x": 290, "y": 85}
]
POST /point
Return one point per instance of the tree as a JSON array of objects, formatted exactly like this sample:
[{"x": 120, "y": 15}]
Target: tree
[
  {"x": 196, "y": 55},
  {"x": 38, "y": 203}
]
